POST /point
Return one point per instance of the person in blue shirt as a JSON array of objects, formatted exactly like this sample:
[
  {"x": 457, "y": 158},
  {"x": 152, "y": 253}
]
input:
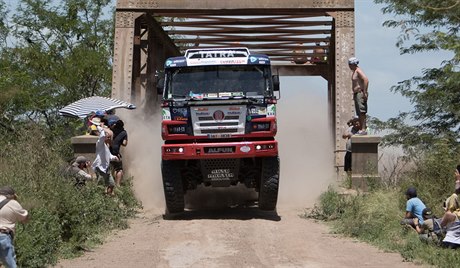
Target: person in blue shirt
[{"x": 414, "y": 208}]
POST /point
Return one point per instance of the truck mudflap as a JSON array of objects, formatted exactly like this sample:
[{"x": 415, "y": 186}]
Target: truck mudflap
[{"x": 246, "y": 149}]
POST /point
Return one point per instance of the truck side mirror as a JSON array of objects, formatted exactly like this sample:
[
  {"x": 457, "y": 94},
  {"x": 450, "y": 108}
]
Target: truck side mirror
[
  {"x": 276, "y": 82},
  {"x": 160, "y": 86}
]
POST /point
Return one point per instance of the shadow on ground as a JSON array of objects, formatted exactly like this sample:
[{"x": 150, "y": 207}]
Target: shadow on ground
[{"x": 237, "y": 202}]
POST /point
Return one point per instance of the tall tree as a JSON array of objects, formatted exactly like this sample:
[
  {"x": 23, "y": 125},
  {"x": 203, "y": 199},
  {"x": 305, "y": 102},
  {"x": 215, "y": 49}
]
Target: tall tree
[
  {"x": 62, "y": 52},
  {"x": 427, "y": 25}
]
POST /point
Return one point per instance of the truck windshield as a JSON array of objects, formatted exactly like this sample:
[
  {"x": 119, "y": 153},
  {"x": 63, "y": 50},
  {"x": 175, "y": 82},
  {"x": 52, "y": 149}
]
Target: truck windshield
[{"x": 219, "y": 81}]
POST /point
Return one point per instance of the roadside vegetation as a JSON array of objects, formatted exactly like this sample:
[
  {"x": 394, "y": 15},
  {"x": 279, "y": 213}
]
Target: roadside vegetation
[
  {"x": 429, "y": 136},
  {"x": 374, "y": 217},
  {"x": 51, "y": 54}
]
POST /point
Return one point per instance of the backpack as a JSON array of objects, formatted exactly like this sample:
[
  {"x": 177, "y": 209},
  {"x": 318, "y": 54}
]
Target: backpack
[{"x": 437, "y": 234}]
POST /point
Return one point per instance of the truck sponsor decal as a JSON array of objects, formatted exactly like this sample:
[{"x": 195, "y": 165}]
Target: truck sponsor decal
[
  {"x": 271, "y": 110},
  {"x": 216, "y": 61},
  {"x": 180, "y": 111},
  {"x": 180, "y": 118},
  {"x": 219, "y": 150},
  {"x": 166, "y": 114}
]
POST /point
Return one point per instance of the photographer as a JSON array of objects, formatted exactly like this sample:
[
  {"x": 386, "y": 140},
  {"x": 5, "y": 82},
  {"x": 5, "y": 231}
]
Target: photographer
[
  {"x": 79, "y": 170},
  {"x": 11, "y": 212}
]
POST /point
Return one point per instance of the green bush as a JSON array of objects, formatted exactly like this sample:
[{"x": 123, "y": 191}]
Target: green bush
[
  {"x": 330, "y": 207},
  {"x": 64, "y": 219}
]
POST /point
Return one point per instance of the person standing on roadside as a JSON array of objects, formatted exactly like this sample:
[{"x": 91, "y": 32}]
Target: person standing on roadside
[
  {"x": 353, "y": 128},
  {"x": 101, "y": 163},
  {"x": 360, "y": 84},
  {"x": 120, "y": 138},
  {"x": 11, "y": 212}
]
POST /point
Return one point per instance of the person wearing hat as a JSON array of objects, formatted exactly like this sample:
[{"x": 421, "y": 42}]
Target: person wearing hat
[
  {"x": 430, "y": 228},
  {"x": 11, "y": 212},
  {"x": 414, "y": 208},
  {"x": 360, "y": 84},
  {"x": 95, "y": 121},
  {"x": 79, "y": 170}
]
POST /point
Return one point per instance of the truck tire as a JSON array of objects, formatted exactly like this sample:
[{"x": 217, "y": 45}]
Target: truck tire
[
  {"x": 269, "y": 183},
  {"x": 173, "y": 187}
]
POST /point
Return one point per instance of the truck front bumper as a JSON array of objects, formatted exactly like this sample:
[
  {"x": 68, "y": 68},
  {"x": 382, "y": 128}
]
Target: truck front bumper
[{"x": 246, "y": 149}]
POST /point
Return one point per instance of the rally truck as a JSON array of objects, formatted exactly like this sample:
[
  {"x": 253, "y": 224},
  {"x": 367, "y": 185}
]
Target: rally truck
[{"x": 219, "y": 124}]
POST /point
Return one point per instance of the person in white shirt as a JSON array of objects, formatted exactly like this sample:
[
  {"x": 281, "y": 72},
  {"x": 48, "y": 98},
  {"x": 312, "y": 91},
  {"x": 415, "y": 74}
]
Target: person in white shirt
[
  {"x": 101, "y": 163},
  {"x": 11, "y": 213}
]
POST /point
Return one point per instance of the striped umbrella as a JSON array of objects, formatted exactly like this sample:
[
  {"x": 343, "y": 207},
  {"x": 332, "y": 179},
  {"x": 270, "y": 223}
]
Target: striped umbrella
[{"x": 84, "y": 107}]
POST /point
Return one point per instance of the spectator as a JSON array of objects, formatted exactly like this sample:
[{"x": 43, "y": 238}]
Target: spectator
[
  {"x": 94, "y": 122},
  {"x": 111, "y": 116},
  {"x": 11, "y": 212},
  {"x": 452, "y": 204},
  {"x": 360, "y": 84},
  {"x": 414, "y": 208},
  {"x": 452, "y": 238},
  {"x": 120, "y": 138},
  {"x": 353, "y": 128},
  {"x": 430, "y": 230},
  {"x": 300, "y": 58},
  {"x": 79, "y": 170},
  {"x": 103, "y": 157},
  {"x": 450, "y": 221},
  {"x": 319, "y": 54}
]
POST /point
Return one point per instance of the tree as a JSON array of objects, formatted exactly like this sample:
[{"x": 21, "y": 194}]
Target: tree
[
  {"x": 61, "y": 52},
  {"x": 427, "y": 25}
]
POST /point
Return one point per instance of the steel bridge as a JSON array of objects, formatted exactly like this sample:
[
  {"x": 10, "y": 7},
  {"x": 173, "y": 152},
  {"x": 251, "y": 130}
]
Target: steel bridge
[{"x": 302, "y": 38}]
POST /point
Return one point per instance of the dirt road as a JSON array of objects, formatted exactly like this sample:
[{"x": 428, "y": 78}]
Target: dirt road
[
  {"x": 219, "y": 235},
  {"x": 232, "y": 237}
]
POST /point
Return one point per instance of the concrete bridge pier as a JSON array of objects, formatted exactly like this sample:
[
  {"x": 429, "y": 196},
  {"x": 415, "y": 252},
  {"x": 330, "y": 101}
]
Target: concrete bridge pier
[
  {"x": 84, "y": 145},
  {"x": 364, "y": 163}
]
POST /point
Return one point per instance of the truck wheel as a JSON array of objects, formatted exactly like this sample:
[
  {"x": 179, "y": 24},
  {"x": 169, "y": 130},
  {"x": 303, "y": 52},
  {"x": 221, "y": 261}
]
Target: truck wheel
[
  {"x": 173, "y": 187},
  {"x": 269, "y": 182}
]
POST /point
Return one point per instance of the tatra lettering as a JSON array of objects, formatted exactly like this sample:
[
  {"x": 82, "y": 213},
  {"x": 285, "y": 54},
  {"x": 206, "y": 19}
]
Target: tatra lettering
[{"x": 221, "y": 54}]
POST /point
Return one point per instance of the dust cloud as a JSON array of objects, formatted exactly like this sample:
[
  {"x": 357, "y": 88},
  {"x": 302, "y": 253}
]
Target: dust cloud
[
  {"x": 142, "y": 157},
  {"x": 305, "y": 143},
  {"x": 306, "y": 156}
]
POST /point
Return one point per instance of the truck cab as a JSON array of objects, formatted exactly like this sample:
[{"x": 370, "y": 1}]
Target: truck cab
[{"x": 219, "y": 124}]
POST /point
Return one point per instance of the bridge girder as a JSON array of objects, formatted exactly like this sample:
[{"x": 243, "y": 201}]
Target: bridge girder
[{"x": 302, "y": 38}]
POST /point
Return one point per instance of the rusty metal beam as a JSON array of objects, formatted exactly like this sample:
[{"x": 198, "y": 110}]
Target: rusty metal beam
[{"x": 235, "y": 4}]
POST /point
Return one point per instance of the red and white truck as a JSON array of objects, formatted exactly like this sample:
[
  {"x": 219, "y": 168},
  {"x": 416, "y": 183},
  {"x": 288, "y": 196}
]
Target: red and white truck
[{"x": 219, "y": 124}]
